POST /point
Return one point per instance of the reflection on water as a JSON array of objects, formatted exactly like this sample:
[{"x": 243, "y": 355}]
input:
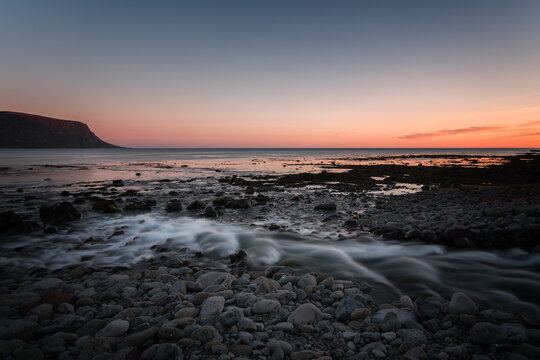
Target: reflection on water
[
  {"x": 24, "y": 166},
  {"x": 502, "y": 279}
]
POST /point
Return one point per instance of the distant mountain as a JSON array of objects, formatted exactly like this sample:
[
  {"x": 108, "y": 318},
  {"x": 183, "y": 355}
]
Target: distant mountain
[{"x": 19, "y": 130}]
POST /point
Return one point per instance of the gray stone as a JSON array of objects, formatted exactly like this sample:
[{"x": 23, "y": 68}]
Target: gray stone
[
  {"x": 347, "y": 305},
  {"x": 205, "y": 334},
  {"x": 43, "y": 311},
  {"x": 211, "y": 309},
  {"x": 461, "y": 304},
  {"x": 274, "y": 344},
  {"x": 427, "y": 309},
  {"x": 266, "y": 285},
  {"x": 115, "y": 328},
  {"x": 283, "y": 296},
  {"x": 390, "y": 322},
  {"x": 484, "y": 333},
  {"x": 138, "y": 338},
  {"x": 162, "y": 352},
  {"x": 402, "y": 315},
  {"x": 283, "y": 326},
  {"x": 307, "y": 280},
  {"x": 65, "y": 308},
  {"x": 231, "y": 316},
  {"x": 178, "y": 286},
  {"x": 246, "y": 324},
  {"x": 266, "y": 306},
  {"x": 215, "y": 278},
  {"x": 305, "y": 314},
  {"x": 414, "y": 336},
  {"x": 187, "y": 312},
  {"x": 48, "y": 284}
]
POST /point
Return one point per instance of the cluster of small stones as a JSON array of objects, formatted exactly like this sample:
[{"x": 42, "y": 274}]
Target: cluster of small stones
[
  {"x": 187, "y": 306},
  {"x": 498, "y": 217}
]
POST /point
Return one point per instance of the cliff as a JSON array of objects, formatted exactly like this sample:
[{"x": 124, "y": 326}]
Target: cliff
[{"x": 19, "y": 130}]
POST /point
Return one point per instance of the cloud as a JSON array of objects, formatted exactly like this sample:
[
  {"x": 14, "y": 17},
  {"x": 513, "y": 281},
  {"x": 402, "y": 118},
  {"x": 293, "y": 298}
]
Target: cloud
[
  {"x": 451, "y": 132},
  {"x": 537, "y": 122}
]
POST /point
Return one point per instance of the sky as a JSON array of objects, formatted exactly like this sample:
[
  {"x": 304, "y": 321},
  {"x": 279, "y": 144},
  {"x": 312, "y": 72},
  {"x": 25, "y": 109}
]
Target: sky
[{"x": 278, "y": 73}]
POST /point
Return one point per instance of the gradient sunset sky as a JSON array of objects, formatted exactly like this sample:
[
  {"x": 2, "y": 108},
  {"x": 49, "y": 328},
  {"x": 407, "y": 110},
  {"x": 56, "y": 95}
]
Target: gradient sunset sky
[{"x": 279, "y": 73}]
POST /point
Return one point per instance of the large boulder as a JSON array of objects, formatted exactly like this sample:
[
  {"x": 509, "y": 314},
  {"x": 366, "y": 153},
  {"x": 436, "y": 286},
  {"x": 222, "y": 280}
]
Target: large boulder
[{"x": 58, "y": 213}]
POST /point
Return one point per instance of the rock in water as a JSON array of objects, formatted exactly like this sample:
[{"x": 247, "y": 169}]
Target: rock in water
[
  {"x": 461, "y": 304},
  {"x": 8, "y": 219},
  {"x": 59, "y": 213},
  {"x": 326, "y": 206}
]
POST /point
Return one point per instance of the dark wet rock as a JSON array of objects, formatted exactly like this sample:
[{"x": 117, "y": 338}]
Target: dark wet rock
[
  {"x": 262, "y": 199},
  {"x": 231, "y": 317},
  {"x": 326, "y": 206},
  {"x": 211, "y": 309},
  {"x": 266, "y": 306},
  {"x": 95, "y": 346},
  {"x": 105, "y": 206},
  {"x": 266, "y": 285},
  {"x": 42, "y": 312},
  {"x": 238, "y": 204},
  {"x": 238, "y": 257},
  {"x": 20, "y": 328},
  {"x": 196, "y": 205},
  {"x": 305, "y": 314},
  {"x": 59, "y": 213},
  {"x": 8, "y": 219},
  {"x": 455, "y": 232},
  {"x": 307, "y": 280},
  {"x": 347, "y": 305},
  {"x": 130, "y": 192},
  {"x": 56, "y": 298},
  {"x": 140, "y": 205},
  {"x": 28, "y": 353},
  {"x": 390, "y": 322},
  {"x": 427, "y": 309},
  {"x": 461, "y": 304},
  {"x": 138, "y": 338},
  {"x": 91, "y": 327},
  {"x": 484, "y": 333},
  {"x": 205, "y": 334},
  {"x": 173, "y": 206},
  {"x": 162, "y": 352},
  {"x": 246, "y": 324},
  {"x": 210, "y": 213},
  {"x": 115, "y": 328},
  {"x": 414, "y": 336},
  {"x": 215, "y": 278},
  {"x": 275, "y": 344}
]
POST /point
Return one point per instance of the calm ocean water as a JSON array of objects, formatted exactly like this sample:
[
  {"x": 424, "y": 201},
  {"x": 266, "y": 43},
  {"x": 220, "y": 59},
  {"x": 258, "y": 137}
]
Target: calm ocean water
[{"x": 20, "y": 157}]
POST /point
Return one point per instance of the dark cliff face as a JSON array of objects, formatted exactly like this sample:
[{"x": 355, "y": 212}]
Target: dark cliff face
[{"x": 18, "y": 130}]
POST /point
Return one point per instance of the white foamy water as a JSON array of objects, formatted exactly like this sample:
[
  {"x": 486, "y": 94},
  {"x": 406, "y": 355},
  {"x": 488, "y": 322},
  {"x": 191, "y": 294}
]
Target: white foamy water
[{"x": 506, "y": 280}]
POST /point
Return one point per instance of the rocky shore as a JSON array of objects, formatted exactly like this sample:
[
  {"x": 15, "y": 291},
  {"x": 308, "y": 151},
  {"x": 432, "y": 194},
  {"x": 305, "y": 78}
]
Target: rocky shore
[
  {"x": 184, "y": 304},
  {"x": 187, "y": 306}
]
